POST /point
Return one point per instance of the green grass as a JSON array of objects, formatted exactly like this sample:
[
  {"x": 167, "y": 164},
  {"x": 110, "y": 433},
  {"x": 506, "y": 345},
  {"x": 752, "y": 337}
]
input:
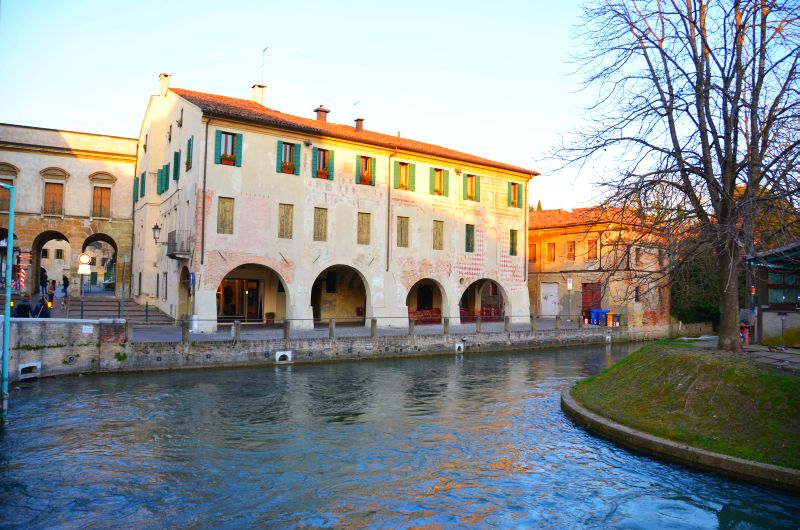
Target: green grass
[
  {"x": 791, "y": 338},
  {"x": 708, "y": 399}
]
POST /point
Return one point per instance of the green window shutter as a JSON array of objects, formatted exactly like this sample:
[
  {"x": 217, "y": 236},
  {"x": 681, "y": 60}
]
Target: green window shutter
[
  {"x": 470, "y": 238},
  {"x": 189, "y": 148},
  {"x": 372, "y": 171},
  {"x": 238, "y": 147},
  {"x": 279, "y": 157},
  {"x": 412, "y": 170},
  {"x": 135, "y": 189},
  {"x": 433, "y": 179},
  {"x": 519, "y": 195},
  {"x": 464, "y": 184},
  {"x": 218, "y": 147},
  {"x": 396, "y": 174},
  {"x": 142, "y": 181},
  {"x": 166, "y": 176},
  {"x": 176, "y": 169},
  {"x": 158, "y": 181},
  {"x": 314, "y": 154},
  {"x": 510, "y": 191},
  {"x": 478, "y": 188},
  {"x": 330, "y": 164},
  {"x": 296, "y": 159},
  {"x": 446, "y": 182},
  {"x": 358, "y": 169}
]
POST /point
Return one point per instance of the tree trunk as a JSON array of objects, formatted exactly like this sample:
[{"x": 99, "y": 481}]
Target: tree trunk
[{"x": 729, "y": 302}]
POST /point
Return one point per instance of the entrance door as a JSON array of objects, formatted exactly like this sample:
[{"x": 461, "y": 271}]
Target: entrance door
[
  {"x": 590, "y": 296},
  {"x": 424, "y": 297},
  {"x": 549, "y": 299}
]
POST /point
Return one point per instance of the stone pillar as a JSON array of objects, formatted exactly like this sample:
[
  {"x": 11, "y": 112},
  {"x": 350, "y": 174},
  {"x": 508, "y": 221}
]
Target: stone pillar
[
  {"x": 332, "y": 328},
  {"x": 478, "y": 324},
  {"x": 507, "y": 324},
  {"x": 286, "y": 329},
  {"x": 185, "y": 331},
  {"x": 558, "y": 322},
  {"x": 533, "y": 322},
  {"x": 373, "y": 327},
  {"x": 446, "y": 326},
  {"x": 412, "y": 325},
  {"x": 237, "y": 331}
]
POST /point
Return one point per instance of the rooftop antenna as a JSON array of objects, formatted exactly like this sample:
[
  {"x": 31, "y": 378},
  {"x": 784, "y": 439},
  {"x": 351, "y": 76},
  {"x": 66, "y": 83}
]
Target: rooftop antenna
[{"x": 263, "y": 57}]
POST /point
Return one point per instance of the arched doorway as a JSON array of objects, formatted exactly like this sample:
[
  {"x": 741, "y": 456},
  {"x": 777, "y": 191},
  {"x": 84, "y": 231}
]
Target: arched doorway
[
  {"x": 484, "y": 298},
  {"x": 339, "y": 292},
  {"x": 50, "y": 257},
  {"x": 425, "y": 301},
  {"x": 102, "y": 279},
  {"x": 251, "y": 293}
]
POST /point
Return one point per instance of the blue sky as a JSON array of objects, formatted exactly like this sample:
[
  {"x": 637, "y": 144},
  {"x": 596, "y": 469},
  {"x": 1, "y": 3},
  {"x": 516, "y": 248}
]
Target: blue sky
[{"x": 486, "y": 78}]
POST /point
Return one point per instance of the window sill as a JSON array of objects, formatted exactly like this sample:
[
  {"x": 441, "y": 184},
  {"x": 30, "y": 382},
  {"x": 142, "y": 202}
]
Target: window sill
[
  {"x": 227, "y": 162},
  {"x": 287, "y": 171},
  {"x": 47, "y": 214}
]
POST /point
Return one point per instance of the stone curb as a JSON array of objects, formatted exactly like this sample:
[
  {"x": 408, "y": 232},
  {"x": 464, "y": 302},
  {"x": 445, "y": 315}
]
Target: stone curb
[{"x": 776, "y": 476}]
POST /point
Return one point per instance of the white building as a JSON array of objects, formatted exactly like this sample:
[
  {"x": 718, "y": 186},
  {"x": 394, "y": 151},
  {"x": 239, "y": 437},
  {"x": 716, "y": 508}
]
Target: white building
[{"x": 277, "y": 216}]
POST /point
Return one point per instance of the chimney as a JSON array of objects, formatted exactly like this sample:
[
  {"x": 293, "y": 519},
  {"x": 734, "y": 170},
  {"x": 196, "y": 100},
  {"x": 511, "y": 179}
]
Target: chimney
[
  {"x": 163, "y": 84},
  {"x": 322, "y": 113},
  {"x": 257, "y": 93},
  {"x": 359, "y": 124}
]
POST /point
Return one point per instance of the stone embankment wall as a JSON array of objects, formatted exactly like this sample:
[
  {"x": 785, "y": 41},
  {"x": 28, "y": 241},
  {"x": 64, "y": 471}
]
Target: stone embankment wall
[{"x": 58, "y": 346}]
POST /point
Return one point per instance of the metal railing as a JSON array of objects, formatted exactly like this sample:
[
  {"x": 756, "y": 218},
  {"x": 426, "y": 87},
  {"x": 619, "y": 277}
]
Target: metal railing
[{"x": 179, "y": 243}]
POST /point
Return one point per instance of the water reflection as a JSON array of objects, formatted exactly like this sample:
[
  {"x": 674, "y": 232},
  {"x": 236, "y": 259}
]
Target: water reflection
[{"x": 451, "y": 442}]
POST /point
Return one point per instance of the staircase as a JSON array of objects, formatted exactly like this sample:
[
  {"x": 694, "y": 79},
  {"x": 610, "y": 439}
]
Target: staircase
[{"x": 109, "y": 307}]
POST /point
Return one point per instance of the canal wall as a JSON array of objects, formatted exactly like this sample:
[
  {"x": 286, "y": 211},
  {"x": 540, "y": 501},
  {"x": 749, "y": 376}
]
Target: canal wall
[{"x": 51, "y": 347}]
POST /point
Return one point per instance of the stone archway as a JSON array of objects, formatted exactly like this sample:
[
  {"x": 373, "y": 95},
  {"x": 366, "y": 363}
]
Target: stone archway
[
  {"x": 340, "y": 292},
  {"x": 251, "y": 293},
  {"x": 104, "y": 277},
  {"x": 484, "y": 298},
  {"x": 426, "y": 301},
  {"x": 53, "y": 261},
  {"x": 184, "y": 294}
]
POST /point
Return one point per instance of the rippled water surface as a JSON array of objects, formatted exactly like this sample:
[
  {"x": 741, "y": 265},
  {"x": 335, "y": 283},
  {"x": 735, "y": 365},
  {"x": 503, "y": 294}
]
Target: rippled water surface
[{"x": 441, "y": 441}]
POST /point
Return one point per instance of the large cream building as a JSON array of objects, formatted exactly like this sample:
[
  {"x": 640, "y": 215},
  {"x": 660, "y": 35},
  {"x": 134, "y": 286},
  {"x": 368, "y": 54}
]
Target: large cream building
[
  {"x": 73, "y": 194},
  {"x": 265, "y": 216}
]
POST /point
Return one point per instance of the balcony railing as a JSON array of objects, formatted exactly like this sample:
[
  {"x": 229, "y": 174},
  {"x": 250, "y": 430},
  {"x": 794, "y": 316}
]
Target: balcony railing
[{"x": 179, "y": 244}]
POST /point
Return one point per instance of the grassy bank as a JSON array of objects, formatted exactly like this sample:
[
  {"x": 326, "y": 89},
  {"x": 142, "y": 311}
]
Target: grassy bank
[{"x": 712, "y": 400}]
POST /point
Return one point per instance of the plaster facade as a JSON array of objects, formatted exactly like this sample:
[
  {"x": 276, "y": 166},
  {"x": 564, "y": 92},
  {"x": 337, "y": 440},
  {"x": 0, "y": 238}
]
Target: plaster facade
[
  {"x": 289, "y": 263},
  {"x": 606, "y": 266},
  {"x": 93, "y": 177}
]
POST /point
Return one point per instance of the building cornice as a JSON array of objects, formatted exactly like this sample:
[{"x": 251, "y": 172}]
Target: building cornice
[{"x": 65, "y": 151}]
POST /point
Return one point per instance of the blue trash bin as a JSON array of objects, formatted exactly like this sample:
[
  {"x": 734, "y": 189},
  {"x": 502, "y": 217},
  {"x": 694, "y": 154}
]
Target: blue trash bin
[
  {"x": 602, "y": 316},
  {"x": 593, "y": 317}
]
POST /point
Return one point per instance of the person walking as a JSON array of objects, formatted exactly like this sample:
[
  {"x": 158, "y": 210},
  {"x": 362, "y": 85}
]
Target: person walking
[
  {"x": 51, "y": 291},
  {"x": 43, "y": 281},
  {"x": 65, "y": 287},
  {"x": 42, "y": 310},
  {"x": 23, "y": 308}
]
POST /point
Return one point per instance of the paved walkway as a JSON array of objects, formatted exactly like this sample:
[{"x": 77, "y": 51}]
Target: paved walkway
[
  {"x": 172, "y": 333},
  {"x": 786, "y": 359}
]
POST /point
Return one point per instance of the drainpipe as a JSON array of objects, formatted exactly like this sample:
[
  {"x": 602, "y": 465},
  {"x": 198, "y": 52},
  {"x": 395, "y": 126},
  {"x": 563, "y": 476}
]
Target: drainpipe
[
  {"x": 389, "y": 209},
  {"x": 133, "y": 230},
  {"x": 203, "y": 219}
]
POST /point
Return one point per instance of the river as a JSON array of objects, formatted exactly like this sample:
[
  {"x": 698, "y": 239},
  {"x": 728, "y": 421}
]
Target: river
[{"x": 444, "y": 441}]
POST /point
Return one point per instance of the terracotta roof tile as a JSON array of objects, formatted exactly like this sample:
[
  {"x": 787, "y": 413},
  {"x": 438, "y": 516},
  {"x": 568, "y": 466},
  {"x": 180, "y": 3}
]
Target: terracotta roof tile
[
  {"x": 252, "y": 112},
  {"x": 576, "y": 217}
]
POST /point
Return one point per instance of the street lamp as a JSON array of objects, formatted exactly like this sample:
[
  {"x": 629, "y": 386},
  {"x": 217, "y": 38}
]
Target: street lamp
[{"x": 156, "y": 233}]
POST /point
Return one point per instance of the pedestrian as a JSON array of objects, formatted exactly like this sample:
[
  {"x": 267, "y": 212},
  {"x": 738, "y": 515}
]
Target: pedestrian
[
  {"x": 42, "y": 310},
  {"x": 51, "y": 291},
  {"x": 43, "y": 281},
  {"x": 23, "y": 308},
  {"x": 65, "y": 286}
]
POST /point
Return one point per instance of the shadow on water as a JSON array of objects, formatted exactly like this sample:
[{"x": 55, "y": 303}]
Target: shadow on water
[{"x": 452, "y": 441}]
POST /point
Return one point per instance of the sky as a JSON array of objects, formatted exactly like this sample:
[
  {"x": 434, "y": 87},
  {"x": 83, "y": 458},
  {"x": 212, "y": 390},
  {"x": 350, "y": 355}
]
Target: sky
[{"x": 488, "y": 78}]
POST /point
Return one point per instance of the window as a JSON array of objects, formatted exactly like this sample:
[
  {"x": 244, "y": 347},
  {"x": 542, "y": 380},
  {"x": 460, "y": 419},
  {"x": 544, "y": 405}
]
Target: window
[
  {"x": 469, "y": 243},
  {"x": 637, "y": 293},
  {"x": 365, "y": 170},
  {"x": 403, "y": 176},
  {"x": 45, "y": 253},
  {"x": 101, "y": 202},
  {"x": 320, "y": 224},
  {"x": 591, "y": 249},
  {"x": 638, "y": 256},
  {"x": 158, "y": 284},
  {"x": 228, "y": 148},
  {"x": 402, "y": 231},
  {"x": 512, "y": 243},
  {"x": 472, "y": 188},
  {"x": 176, "y": 165},
  {"x": 103, "y": 262},
  {"x": 440, "y": 182},
  {"x": 661, "y": 257},
  {"x": 189, "y": 151},
  {"x": 225, "y": 215},
  {"x": 288, "y": 158},
  {"x": 783, "y": 288},
  {"x": 165, "y": 285},
  {"x": 285, "y": 213},
  {"x": 532, "y": 252},
  {"x": 514, "y": 195},
  {"x": 551, "y": 252},
  {"x": 93, "y": 262},
  {"x": 571, "y": 250},
  {"x": 53, "y": 198},
  {"x": 59, "y": 253},
  {"x": 438, "y": 235},
  {"x": 5, "y": 195},
  {"x": 364, "y": 220},
  {"x": 135, "y": 189},
  {"x": 141, "y": 183},
  {"x": 322, "y": 164}
]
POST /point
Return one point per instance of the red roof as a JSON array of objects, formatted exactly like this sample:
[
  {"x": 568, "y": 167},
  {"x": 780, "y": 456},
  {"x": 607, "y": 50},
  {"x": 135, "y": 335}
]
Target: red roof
[
  {"x": 577, "y": 217},
  {"x": 251, "y": 112}
]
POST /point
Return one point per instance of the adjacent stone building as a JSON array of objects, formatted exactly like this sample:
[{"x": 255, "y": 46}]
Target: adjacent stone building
[
  {"x": 73, "y": 193},
  {"x": 591, "y": 258},
  {"x": 264, "y": 216}
]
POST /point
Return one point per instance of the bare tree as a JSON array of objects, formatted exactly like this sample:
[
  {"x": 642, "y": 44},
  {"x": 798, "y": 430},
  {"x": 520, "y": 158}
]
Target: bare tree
[{"x": 698, "y": 103}]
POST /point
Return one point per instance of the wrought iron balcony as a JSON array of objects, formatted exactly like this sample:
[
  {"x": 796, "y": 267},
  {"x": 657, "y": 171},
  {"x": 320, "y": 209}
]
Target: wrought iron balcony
[{"x": 179, "y": 244}]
